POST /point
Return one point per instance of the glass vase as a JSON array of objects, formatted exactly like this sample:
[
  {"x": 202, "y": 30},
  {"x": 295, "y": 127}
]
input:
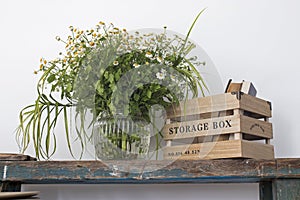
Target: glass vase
[{"x": 118, "y": 137}]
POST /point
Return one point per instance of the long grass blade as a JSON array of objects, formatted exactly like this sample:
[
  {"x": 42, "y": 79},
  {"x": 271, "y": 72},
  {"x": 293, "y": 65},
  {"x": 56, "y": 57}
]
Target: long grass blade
[{"x": 67, "y": 131}]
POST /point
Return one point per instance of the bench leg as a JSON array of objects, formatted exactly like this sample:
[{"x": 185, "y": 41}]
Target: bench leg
[
  {"x": 287, "y": 189},
  {"x": 266, "y": 190},
  {"x": 280, "y": 189},
  {"x": 10, "y": 187}
]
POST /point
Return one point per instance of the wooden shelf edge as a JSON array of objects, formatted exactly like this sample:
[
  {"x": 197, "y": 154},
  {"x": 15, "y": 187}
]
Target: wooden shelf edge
[
  {"x": 180, "y": 171},
  {"x": 15, "y": 157}
]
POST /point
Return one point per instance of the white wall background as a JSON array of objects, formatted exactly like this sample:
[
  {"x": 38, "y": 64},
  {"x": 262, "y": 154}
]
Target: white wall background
[{"x": 255, "y": 40}]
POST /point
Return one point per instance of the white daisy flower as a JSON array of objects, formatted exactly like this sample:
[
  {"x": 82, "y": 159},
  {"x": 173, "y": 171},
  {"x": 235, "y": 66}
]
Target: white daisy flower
[
  {"x": 148, "y": 55},
  {"x": 160, "y": 75},
  {"x": 159, "y": 59},
  {"x": 135, "y": 65},
  {"x": 172, "y": 77},
  {"x": 115, "y": 63}
]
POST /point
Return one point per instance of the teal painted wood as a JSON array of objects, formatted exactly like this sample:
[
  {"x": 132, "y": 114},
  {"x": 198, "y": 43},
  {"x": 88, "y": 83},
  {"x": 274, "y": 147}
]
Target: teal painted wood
[
  {"x": 279, "y": 179},
  {"x": 288, "y": 168},
  {"x": 10, "y": 187},
  {"x": 266, "y": 190},
  {"x": 89, "y": 172},
  {"x": 286, "y": 189}
]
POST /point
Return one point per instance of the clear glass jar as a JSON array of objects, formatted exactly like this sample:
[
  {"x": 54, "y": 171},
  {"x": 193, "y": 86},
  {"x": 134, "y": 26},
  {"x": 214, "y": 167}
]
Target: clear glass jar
[{"x": 118, "y": 137}]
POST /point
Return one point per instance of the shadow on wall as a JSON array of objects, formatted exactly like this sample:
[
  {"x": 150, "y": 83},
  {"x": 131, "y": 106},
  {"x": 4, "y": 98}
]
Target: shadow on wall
[
  {"x": 155, "y": 191},
  {"x": 284, "y": 137}
]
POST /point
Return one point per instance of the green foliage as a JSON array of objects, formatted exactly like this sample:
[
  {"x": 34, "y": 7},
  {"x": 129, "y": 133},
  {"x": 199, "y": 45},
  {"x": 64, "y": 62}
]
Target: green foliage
[{"x": 103, "y": 70}]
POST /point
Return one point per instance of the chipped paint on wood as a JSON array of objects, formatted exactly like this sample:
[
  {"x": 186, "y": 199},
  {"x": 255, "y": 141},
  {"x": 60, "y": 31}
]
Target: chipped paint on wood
[{"x": 279, "y": 178}]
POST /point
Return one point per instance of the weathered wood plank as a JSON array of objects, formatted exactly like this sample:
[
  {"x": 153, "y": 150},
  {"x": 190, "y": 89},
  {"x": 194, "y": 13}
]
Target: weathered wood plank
[
  {"x": 286, "y": 189},
  {"x": 288, "y": 168},
  {"x": 180, "y": 171},
  {"x": 266, "y": 190},
  {"x": 198, "y": 171},
  {"x": 10, "y": 186},
  {"x": 15, "y": 157},
  {"x": 279, "y": 179}
]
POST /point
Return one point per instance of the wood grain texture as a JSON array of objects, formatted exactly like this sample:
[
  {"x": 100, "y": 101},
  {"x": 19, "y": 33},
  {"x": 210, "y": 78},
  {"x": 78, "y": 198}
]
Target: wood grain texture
[
  {"x": 288, "y": 168},
  {"x": 10, "y": 187},
  {"x": 203, "y": 105},
  {"x": 255, "y": 127},
  {"x": 238, "y": 124},
  {"x": 223, "y": 126},
  {"x": 279, "y": 178},
  {"x": 257, "y": 107},
  {"x": 208, "y": 150},
  {"x": 220, "y": 149},
  {"x": 257, "y": 150},
  {"x": 15, "y": 157},
  {"x": 199, "y": 130},
  {"x": 266, "y": 190},
  {"x": 286, "y": 189},
  {"x": 180, "y": 171}
]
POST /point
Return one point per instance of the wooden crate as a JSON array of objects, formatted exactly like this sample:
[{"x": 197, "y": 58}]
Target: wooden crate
[{"x": 230, "y": 125}]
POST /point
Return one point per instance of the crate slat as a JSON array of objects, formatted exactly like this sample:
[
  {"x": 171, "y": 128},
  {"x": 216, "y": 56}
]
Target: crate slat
[
  {"x": 204, "y": 105},
  {"x": 255, "y": 127},
  {"x": 216, "y": 103},
  {"x": 217, "y": 150},
  {"x": 256, "y": 105},
  {"x": 218, "y": 126}
]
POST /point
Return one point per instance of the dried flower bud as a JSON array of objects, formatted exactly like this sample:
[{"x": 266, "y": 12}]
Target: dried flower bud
[{"x": 115, "y": 62}]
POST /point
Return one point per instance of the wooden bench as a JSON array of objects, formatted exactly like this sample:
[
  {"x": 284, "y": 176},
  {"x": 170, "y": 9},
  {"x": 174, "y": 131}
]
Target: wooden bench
[{"x": 278, "y": 178}]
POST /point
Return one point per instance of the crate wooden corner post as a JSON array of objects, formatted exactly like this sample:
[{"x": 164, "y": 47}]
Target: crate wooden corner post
[{"x": 230, "y": 125}]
